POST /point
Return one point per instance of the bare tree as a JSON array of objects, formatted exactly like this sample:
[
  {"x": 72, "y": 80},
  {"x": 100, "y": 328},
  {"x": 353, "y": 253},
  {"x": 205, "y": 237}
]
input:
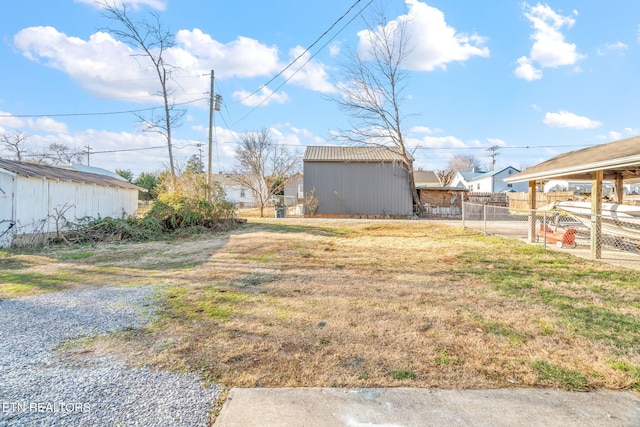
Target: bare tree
[
  {"x": 464, "y": 163},
  {"x": 445, "y": 176},
  {"x": 14, "y": 143},
  {"x": 152, "y": 40},
  {"x": 60, "y": 154},
  {"x": 263, "y": 166},
  {"x": 372, "y": 95}
]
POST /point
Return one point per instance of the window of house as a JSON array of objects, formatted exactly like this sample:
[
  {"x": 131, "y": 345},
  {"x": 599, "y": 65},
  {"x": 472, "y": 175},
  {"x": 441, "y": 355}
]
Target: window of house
[
  {"x": 478, "y": 187},
  {"x": 242, "y": 192},
  {"x": 509, "y": 185}
]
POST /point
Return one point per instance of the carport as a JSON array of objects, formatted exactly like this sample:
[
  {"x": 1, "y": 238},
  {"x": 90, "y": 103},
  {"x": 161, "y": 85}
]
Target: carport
[{"x": 617, "y": 162}]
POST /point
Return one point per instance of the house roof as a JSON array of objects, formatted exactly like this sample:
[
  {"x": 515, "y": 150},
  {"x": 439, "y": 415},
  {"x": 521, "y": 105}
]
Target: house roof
[
  {"x": 618, "y": 157},
  {"x": 53, "y": 172},
  {"x": 426, "y": 178},
  {"x": 468, "y": 176},
  {"x": 490, "y": 174},
  {"x": 351, "y": 154}
]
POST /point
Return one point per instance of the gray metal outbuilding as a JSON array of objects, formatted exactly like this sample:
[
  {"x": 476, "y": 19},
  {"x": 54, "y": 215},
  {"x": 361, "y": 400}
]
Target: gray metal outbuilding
[
  {"x": 368, "y": 182},
  {"x": 32, "y": 197}
]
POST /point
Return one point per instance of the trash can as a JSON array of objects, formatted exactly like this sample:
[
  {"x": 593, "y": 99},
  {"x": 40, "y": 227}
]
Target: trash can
[{"x": 280, "y": 211}]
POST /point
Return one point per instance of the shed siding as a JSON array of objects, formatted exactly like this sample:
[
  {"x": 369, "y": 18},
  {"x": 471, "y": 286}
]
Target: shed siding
[
  {"x": 7, "y": 190},
  {"x": 353, "y": 189},
  {"x": 37, "y": 200}
]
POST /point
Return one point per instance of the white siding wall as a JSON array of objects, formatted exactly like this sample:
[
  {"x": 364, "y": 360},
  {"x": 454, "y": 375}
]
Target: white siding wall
[
  {"x": 234, "y": 193},
  {"x": 7, "y": 190},
  {"x": 38, "y": 200}
]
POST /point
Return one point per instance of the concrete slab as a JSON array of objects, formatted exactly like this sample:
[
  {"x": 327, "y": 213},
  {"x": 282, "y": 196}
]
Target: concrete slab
[{"x": 392, "y": 407}]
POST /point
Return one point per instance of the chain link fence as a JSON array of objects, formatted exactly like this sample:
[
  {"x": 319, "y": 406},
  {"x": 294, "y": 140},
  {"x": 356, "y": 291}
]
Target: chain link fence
[{"x": 554, "y": 227}]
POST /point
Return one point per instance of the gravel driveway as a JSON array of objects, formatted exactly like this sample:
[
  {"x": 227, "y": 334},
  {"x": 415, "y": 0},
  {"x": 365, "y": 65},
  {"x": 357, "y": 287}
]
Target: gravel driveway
[{"x": 38, "y": 390}]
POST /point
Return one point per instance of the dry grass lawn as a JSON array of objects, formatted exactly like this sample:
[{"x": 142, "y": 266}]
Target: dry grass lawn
[{"x": 283, "y": 303}]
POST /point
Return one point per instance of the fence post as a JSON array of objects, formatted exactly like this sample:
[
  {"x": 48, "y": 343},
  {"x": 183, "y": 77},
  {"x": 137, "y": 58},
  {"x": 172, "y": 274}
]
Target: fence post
[
  {"x": 544, "y": 225},
  {"x": 463, "y": 212},
  {"x": 484, "y": 217}
]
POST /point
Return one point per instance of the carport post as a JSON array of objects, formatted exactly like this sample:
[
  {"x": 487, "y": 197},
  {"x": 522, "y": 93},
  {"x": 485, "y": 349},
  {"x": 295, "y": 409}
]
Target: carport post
[
  {"x": 596, "y": 214},
  {"x": 532, "y": 211},
  {"x": 619, "y": 190}
]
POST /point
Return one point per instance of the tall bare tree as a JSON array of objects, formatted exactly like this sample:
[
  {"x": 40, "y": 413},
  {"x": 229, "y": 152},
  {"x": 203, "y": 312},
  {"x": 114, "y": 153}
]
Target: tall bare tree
[
  {"x": 151, "y": 40},
  {"x": 263, "y": 166},
  {"x": 464, "y": 163},
  {"x": 15, "y": 143},
  {"x": 373, "y": 92}
]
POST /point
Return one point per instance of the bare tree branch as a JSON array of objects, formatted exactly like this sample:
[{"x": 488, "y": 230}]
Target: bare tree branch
[
  {"x": 14, "y": 143},
  {"x": 263, "y": 166},
  {"x": 372, "y": 94},
  {"x": 152, "y": 40}
]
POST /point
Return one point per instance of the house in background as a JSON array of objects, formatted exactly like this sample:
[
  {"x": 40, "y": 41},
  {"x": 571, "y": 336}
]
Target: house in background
[
  {"x": 489, "y": 182},
  {"x": 426, "y": 179},
  {"x": 462, "y": 178},
  {"x": 34, "y": 199},
  {"x": 360, "y": 182},
  {"x": 294, "y": 190},
  {"x": 234, "y": 191}
]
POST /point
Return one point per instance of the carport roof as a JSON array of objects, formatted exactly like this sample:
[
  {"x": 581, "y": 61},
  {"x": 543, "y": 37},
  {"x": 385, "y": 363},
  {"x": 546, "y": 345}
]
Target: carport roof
[
  {"x": 618, "y": 157},
  {"x": 52, "y": 172}
]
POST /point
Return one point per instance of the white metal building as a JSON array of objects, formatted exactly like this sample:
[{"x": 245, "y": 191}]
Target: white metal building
[{"x": 33, "y": 196}]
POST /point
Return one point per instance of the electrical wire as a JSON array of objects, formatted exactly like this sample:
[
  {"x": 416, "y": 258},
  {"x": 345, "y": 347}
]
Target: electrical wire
[
  {"x": 306, "y": 50},
  {"x": 97, "y": 113},
  {"x": 302, "y": 66}
]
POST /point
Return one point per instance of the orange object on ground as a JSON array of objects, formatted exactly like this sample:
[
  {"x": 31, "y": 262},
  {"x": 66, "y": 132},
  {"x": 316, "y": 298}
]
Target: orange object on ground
[{"x": 567, "y": 238}]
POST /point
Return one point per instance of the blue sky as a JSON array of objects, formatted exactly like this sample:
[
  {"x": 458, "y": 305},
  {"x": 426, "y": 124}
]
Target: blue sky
[{"x": 535, "y": 79}]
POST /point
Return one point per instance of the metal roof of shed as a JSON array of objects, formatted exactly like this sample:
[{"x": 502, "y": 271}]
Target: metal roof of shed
[
  {"x": 351, "y": 154},
  {"x": 52, "y": 172},
  {"x": 618, "y": 157}
]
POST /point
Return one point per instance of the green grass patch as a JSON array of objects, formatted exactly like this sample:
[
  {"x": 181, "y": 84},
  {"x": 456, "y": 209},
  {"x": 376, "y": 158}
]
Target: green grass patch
[
  {"x": 14, "y": 284},
  {"x": 212, "y": 302},
  {"x": 556, "y": 280},
  {"x": 560, "y": 377},
  {"x": 402, "y": 374},
  {"x": 74, "y": 255},
  {"x": 633, "y": 371}
]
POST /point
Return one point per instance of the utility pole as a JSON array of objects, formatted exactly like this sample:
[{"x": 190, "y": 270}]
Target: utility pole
[
  {"x": 88, "y": 147},
  {"x": 209, "y": 177},
  {"x": 214, "y": 104},
  {"x": 494, "y": 152}
]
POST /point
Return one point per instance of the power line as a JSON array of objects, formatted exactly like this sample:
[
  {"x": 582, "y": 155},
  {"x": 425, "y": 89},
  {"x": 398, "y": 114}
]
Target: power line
[
  {"x": 306, "y": 50},
  {"x": 96, "y": 113},
  {"x": 306, "y": 62}
]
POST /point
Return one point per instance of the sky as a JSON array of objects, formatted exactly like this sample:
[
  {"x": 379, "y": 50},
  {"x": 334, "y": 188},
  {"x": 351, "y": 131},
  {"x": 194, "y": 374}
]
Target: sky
[{"x": 533, "y": 79}]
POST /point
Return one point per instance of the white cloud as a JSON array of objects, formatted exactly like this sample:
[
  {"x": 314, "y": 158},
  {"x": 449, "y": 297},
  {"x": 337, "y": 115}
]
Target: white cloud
[
  {"x": 433, "y": 43},
  {"x": 111, "y": 69},
  {"x": 42, "y": 124},
  {"x": 135, "y": 4},
  {"x": 526, "y": 70},
  {"x": 264, "y": 97},
  {"x": 497, "y": 141},
  {"x": 550, "y": 49},
  {"x": 421, "y": 129},
  {"x": 565, "y": 119},
  {"x": 308, "y": 74},
  {"x": 617, "y": 46}
]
